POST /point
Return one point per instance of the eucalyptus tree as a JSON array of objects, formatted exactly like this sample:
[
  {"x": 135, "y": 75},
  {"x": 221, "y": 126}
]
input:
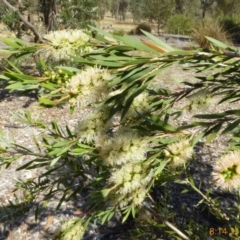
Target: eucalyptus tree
[
  {"x": 205, "y": 5},
  {"x": 78, "y": 13},
  {"x": 119, "y": 9},
  {"x": 158, "y": 10},
  {"x": 136, "y": 8}
]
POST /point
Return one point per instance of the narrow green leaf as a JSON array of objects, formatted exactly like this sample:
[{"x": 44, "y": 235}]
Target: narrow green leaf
[
  {"x": 120, "y": 48},
  {"x": 159, "y": 170},
  {"x": 197, "y": 138},
  {"x": 211, "y": 116},
  {"x": 137, "y": 44},
  {"x": 212, "y": 133},
  {"x": 69, "y": 69},
  {"x": 162, "y": 125},
  {"x": 25, "y": 166},
  {"x": 36, "y": 212},
  {"x": 70, "y": 134},
  {"x": 133, "y": 211},
  {"x": 10, "y": 43},
  {"x": 105, "y": 217},
  {"x": 231, "y": 126},
  {"x": 184, "y": 191},
  {"x": 127, "y": 214},
  {"x": 84, "y": 146},
  {"x": 54, "y": 161},
  {"x": 3, "y": 77},
  {"x": 14, "y": 67},
  {"x": 158, "y": 41},
  {"x": 61, "y": 144},
  {"x": 17, "y": 85},
  {"x": 234, "y": 111},
  {"x": 109, "y": 64},
  {"x": 46, "y": 101},
  {"x": 110, "y": 216},
  {"x": 131, "y": 98},
  {"x": 50, "y": 86},
  {"x": 177, "y": 53},
  {"x": 217, "y": 43},
  {"x": 78, "y": 151}
]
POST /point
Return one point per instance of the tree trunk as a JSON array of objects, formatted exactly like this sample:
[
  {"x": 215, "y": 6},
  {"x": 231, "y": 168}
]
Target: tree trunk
[
  {"x": 49, "y": 13},
  {"x": 178, "y": 6},
  {"x": 205, "y": 5}
]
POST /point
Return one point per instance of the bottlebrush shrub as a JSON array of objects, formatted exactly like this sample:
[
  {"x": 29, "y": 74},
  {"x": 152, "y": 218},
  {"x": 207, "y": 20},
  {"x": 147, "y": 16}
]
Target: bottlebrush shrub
[{"x": 130, "y": 143}]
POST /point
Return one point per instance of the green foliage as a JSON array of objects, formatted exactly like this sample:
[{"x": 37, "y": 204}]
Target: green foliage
[
  {"x": 142, "y": 26},
  {"x": 9, "y": 18},
  {"x": 227, "y": 7},
  {"x": 179, "y": 24},
  {"x": 158, "y": 10},
  {"x": 136, "y": 7},
  {"x": 231, "y": 25},
  {"x": 78, "y": 14},
  {"x": 130, "y": 151},
  {"x": 119, "y": 32}
]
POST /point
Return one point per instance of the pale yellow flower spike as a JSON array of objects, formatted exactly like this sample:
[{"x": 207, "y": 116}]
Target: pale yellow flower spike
[
  {"x": 179, "y": 153},
  {"x": 226, "y": 171},
  {"x": 60, "y": 44}
]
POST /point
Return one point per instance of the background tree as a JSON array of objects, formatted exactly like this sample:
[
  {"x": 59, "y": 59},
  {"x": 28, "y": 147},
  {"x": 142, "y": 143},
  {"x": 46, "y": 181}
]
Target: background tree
[
  {"x": 179, "y": 6},
  {"x": 103, "y": 7},
  {"x": 205, "y": 5},
  {"x": 158, "y": 10},
  {"x": 81, "y": 13},
  {"x": 189, "y": 8},
  {"x": 119, "y": 9},
  {"x": 136, "y": 7},
  {"x": 49, "y": 10},
  {"x": 227, "y": 7}
]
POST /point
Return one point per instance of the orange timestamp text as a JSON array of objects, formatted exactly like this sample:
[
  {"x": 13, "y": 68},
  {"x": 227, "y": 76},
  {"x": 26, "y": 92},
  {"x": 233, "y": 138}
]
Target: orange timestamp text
[{"x": 227, "y": 231}]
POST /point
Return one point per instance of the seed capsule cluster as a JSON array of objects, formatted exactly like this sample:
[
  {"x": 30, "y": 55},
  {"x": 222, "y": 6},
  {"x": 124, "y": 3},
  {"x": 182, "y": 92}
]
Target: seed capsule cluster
[{"x": 59, "y": 77}]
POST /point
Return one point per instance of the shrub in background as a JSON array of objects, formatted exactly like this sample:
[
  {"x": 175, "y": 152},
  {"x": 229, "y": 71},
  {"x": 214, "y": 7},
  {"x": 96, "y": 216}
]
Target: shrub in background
[
  {"x": 131, "y": 32},
  {"x": 179, "y": 24},
  {"x": 210, "y": 28},
  {"x": 119, "y": 32},
  {"x": 231, "y": 24},
  {"x": 142, "y": 26}
]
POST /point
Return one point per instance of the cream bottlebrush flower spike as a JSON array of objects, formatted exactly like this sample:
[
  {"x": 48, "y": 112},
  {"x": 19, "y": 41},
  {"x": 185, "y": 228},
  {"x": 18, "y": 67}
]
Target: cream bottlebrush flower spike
[
  {"x": 63, "y": 43},
  {"x": 124, "y": 147},
  {"x": 201, "y": 100},
  {"x": 71, "y": 229},
  {"x": 130, "y": 183},
  {"x": 179, "y": 153},
  {"x": 93, "y": 127},
  {"x": 88, "y": 86},
  {"x": 226, "y": 171}
]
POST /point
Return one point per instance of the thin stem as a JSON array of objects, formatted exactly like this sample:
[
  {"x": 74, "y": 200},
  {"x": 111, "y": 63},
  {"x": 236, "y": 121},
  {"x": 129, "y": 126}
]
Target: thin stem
[{"x": 170, "y": 225}]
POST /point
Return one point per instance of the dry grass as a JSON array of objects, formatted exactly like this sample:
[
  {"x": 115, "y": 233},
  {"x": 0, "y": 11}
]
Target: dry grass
[{"x": 212, "y": 29}]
